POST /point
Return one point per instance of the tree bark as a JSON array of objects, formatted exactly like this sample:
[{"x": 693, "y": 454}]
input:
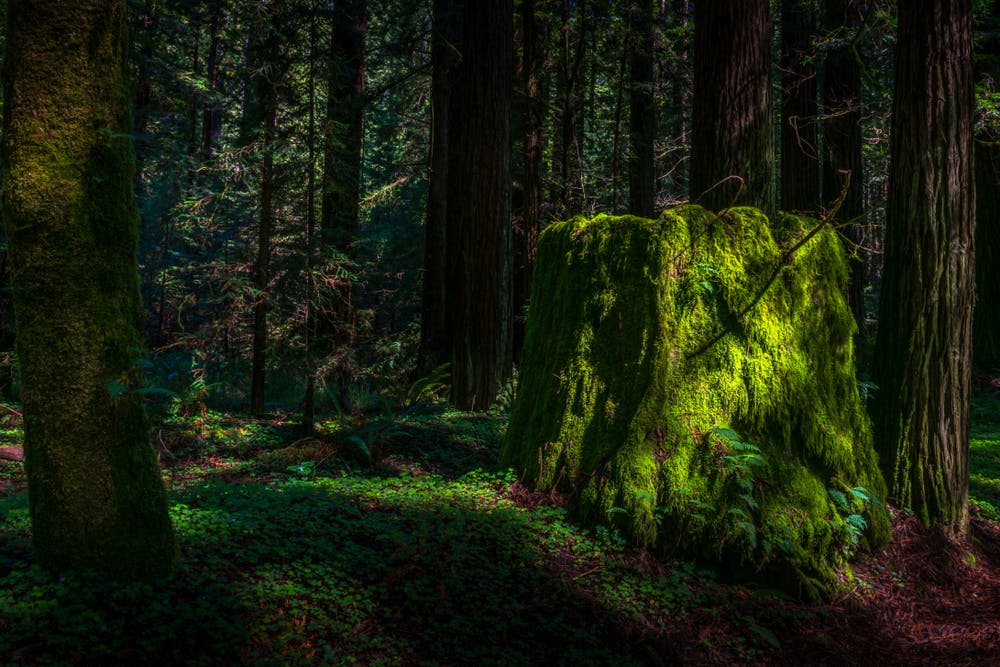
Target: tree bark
[
  {"x": 732, "y": 149},
  {"x": 842, "y": 140},
  {"x": 341, "y": 178},
  {"x": 567, "y": 194},
  {"x": 534, "y": 31},
  {"x": 309, "y": 400},
  {"x": 211, "y": 115},
  {"x": 923, "y": 350},
  {"x": 642, "y": 112},
  {"x": 95, "y": 494},
  {"x": 266, "y": 82},
  {"x": 799, "y": 135},
  {"x": 435, "y": 348},
  {"x": 479, "y": 222}
]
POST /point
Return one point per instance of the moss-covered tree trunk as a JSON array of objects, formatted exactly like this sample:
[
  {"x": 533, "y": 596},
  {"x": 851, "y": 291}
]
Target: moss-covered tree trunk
[
  {"x": 923, "y": 351},
  {"x": 96, "y": 497},
  {"x": 732, "y": 145},
  {"x": 690, "y": 382}
]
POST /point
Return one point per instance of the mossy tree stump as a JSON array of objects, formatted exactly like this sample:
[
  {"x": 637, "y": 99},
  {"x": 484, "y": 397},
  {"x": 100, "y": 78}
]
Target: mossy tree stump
[{"x": 690, "y": 381}]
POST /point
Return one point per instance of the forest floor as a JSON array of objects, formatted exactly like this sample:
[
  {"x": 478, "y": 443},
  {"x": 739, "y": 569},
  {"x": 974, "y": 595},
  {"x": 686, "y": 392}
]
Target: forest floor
[{"x": 302, "y": 551}]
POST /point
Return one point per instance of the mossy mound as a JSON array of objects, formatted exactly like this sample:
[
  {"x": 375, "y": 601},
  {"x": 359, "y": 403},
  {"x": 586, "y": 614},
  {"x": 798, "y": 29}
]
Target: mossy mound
[{"x": 690, "y": 381}]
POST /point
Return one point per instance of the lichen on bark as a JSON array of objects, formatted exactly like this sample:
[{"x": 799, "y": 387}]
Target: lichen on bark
[{"x": 691, "y": 383}]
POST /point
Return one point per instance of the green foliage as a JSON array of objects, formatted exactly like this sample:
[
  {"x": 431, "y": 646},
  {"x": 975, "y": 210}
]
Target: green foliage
[
  {"x": 984, "y": 455},
  {"x": 648, "y": 339},
  {"x": 288, "y": 571}
]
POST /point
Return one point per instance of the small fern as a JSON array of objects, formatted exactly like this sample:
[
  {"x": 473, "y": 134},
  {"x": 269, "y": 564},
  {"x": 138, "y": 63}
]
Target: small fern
[{"x": 839, "y": 499}]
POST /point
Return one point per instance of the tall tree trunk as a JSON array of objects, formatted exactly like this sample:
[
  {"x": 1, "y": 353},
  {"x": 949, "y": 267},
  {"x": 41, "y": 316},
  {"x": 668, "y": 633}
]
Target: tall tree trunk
[
  {"x": 732, "y": 149},
  {"x": 479, "y": 222},
  {"x": 534, "y": 31},
  {"x": 568, "y": 194},
  {"x": 678, "y": 128},
  {"x": 842, "y": 140},
  {"x": 342, "y": 172},
  {"x": 211, "y": 115},
  {"x": 642, "y": 111},
  {"x": 95, "y": 494},
  {"x": 266, "y": 83},
  {"x": 435, "y": 348},
  {"x": 309, "y": 401},
  {"x": 799, "y": 135},
  {"x": 191, "y": 126},
  {"x": 923, "y": 350}
]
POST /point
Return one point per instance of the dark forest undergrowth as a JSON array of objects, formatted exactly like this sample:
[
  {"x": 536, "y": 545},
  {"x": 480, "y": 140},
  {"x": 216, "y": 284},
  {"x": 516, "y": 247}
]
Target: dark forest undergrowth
[{"x": 393, "y": 540}]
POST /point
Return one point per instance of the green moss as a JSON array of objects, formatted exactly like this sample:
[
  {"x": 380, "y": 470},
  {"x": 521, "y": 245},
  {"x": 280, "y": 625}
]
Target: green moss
[
  {"x": 97, "y": 501},
  {"x": 688, "y": 382}
]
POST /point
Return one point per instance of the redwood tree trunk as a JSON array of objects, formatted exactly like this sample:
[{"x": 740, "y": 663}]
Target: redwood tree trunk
[
  {"x": 479, "y": 222},
  {"x": 799, "y": 136},
  {"x": 923, "y": 350},
  {"x": 567, "y": 164},
  {"x": 95, "y": 494},
  {"x": 842, "y": 157},
  {"x": 732, "y": 148},
  {"x": 265, "y": 83},
  {"x": 534, "y": 31},
  {"x": 435, "y": 348},
  {"x": 341, "y": 177},
  {"x": 211, "y": 120},
  {"x": 642, "y": 112}
]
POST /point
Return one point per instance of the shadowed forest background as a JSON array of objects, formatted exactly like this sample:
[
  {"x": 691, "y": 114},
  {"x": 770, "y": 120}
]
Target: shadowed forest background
[{"x": 334, "y": 210}]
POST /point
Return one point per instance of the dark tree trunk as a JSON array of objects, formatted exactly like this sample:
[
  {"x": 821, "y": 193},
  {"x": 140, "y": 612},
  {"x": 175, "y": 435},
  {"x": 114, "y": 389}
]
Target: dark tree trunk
[
  {"x": 678, "y": 125},
  {"x": 266, "y": 81},
  {"x": 342, "y": 177},
  {"x": 191, "y": 126},
  {"x": 842, "y": 140},
  {"x": 435, "y": 348},
  {"x": 344, "y": 119},
  {"x": 479, "y": 214},
  {"x": 309, "y": 400},
  {"x": 616, "y": 130},
  {"x": 534, "y": 30},
  {"x": 95, "y": 494},
  {"x": 986, "y": 323},
  {"x": 923, "y": 350},
  {"x": 211, "y": 115},
  {"x": 642, "y": 112},
  {"x": 732, "y": 148},
  {"x": 799, "y": 136},
  {"x": 568, "y": 194}
]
